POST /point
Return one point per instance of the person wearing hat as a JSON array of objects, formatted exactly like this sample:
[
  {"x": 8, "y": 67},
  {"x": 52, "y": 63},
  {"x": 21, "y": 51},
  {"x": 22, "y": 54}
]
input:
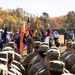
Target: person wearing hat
[
  {"x": 36, "y": 58},
  {"x": 30, "y": 56},
  {"x": 68, "y": 46},
  {"x": 17, "y": 62},
  {"x": 67, "y": 52},
  {"x": 36, "y": 37},
  {"x": 56, "y": 67},
  {"x": 37, "y": 66},
  {"x": 51, "y": 54},
  {"x": 13, "y": 45},
  {"x": 70, "y": 59},
  {"x": 29, "y": 44}
]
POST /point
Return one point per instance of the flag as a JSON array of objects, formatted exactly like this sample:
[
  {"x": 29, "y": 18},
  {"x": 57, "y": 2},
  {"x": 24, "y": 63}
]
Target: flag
[
  {"x": 18, "y": 43},
  {"x": 36, "y": 27},
  {"x": 22, "y": 37},
  {"x": 21, "y": 40},
  {"x": 4, "y": 36},
  {"x": 27, "y": 27}
]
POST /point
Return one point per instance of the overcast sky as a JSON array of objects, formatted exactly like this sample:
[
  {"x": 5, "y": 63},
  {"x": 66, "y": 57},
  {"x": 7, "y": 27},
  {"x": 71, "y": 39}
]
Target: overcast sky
[{"x": 53, "y": 7}]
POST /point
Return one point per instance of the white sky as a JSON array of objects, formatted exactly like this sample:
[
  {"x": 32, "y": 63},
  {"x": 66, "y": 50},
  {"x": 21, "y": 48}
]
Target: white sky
[{"x": 53, "y": 7}]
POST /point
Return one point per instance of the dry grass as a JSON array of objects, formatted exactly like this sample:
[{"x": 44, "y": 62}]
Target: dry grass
[{"x": 61, "y": 40}]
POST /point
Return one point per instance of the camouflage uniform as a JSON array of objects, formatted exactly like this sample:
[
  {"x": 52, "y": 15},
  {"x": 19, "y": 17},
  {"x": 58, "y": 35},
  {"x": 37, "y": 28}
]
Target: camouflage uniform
[
  {"x": 36, "y": 67},
  {"x": 17, "y": 57},
  {"x": 36, "y": 59},
  {"x": 73, "y": 69},
  {"x": 68, "y": 46},
  {"x": 17, "y": 62},
  {"x": 63, "y": 52},
  {"x": 29, "y": 45},
  {"x": 64, "y": 55},
  {"x": 70, "y": 59},
  {"x": 67, "y": 52},
  {"x": 29, "y": 57},
  {"x": 52, "y": 54},
  {"x": 56, "y": 67},
  {"x": 41, "y": 64},
  {"x": 13, "y": 45},
  {"x": 36, "y": 38}
]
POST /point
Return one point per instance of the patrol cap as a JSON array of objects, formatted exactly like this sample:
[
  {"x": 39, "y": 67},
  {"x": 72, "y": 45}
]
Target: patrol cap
[
  {"x": 69, "y": 43},
  {"x": 73, "y": 45},
  {"x": 7, "y": 49},
  {"x": 57, "y": 66},
  {"x": 56, "y": 48},
  {"x": 52, "y": 54},
  {"x": 44, "y": 43},
  {"x": 10, "y": 54},
  {"x": 11, "y": 44},
  {"x": 44, "y": 48},
  {"x": 67, "y": 74},
  {"x": 37, "y": 44}
]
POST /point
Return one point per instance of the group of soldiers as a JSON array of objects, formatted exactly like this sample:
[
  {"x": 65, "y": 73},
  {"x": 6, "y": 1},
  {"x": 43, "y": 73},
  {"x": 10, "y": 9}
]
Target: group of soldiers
[
  {"x": 41, "y": 59},
  {"x": 10, "y": 61},
  {"x": 50, "y": 61}
]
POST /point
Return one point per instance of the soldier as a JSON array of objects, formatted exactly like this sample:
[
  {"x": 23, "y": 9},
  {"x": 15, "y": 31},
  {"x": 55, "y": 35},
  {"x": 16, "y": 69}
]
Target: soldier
[
  {"x": 70, "y": 59},
  {"x": 36, "y": 59},
  {"x": 12, "y": 55},
  {"x": 17, "y": 62},
  {"x": 29, "y": 44},
  {"x": 13, "y": 45},
  {"x": 29, "y": 57},
  {"x": 3, "y": 66},
  {"x": 68, "y": 45},
  {"x": 56, "y": 67},
  {"x": 37, "y": 66},
  {"x": 52, "y": 54},
  {"x": 36, "y": 38},
  {"x": 67, "y": 52},
  {"x": 10, "y": 67},
  {"x": 7, "y": 49}
]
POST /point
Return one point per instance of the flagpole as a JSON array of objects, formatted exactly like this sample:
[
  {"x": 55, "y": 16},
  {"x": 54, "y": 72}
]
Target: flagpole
[{"x": 22, "y": 37}]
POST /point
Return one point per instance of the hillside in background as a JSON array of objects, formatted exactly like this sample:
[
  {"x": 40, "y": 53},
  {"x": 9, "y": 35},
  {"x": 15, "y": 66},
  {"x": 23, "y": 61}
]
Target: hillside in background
[{"x": 14, "y": 18}]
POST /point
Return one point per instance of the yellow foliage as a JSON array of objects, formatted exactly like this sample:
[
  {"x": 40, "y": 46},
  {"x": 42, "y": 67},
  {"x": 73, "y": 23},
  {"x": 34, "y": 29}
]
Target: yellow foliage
[
  {"x": 10, "y": 19},
  {"x": 1, "y": 20}
]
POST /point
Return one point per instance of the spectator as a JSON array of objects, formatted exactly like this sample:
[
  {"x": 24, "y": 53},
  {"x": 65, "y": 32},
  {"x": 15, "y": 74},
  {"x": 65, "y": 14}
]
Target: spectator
[{"x": 71, "y": 35}]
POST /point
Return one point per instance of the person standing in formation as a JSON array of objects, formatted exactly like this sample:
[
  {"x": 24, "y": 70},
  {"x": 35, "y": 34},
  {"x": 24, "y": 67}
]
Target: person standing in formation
[{"x": 47, "y": 34}]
